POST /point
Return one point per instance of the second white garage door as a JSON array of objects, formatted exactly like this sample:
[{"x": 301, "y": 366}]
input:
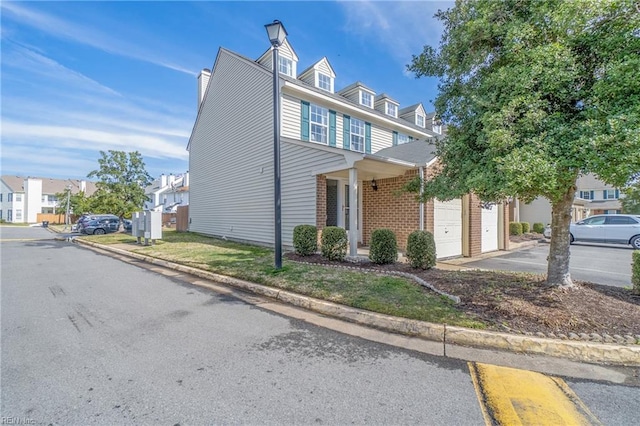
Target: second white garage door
[
  {"x": 490, "y": 229},
  {"x": 447, "y": 228}
]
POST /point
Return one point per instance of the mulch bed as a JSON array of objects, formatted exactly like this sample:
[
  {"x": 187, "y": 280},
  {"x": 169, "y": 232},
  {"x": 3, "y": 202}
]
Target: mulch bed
[{"x": 523, "y": 302}]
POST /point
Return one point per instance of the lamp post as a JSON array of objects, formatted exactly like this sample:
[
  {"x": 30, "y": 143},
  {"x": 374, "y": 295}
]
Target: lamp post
[{"x": 277, "y": 34}]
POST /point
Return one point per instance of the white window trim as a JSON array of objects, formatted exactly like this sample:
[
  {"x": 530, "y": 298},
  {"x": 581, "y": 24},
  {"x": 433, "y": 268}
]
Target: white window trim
[
  {"x": 362, "y": 95},
  {"x": 403, "y": 138},
  {"x": 330, "y": 89},
  {"x": 325, "y": 125},
  {"x": 394, "y": 107},
  {"x": 420, "y": 119},
  {"x": 353, "y": 134},
  {"x": 289, "y": 62}
]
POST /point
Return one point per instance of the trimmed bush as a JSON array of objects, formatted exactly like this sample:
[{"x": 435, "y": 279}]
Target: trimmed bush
[
  {"x": 525, "y": 227},
  {"x": 515, "y": 228},
  {"x": 383, "y": 248},
  {"x": 305, "y": 240},
  {"x": 538, "y": 228},
  {"x": 635, "y": 271},
  {"x": 333, "y": 244},
  {"x": 421, "y": 250}
]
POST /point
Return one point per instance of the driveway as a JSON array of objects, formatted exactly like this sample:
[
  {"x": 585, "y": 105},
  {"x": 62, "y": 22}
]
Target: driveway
[{"x": 598, "y": 263}]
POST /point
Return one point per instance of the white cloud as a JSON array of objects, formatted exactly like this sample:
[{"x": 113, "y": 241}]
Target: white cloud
[
  {"x": 401, "y": 27},
  {"x": 85, "y": 35}
]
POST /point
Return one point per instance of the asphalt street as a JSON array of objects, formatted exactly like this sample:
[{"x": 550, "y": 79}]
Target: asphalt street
[
  {"x": 606, "y": 264},
  {"x": 88, "y": 339}
]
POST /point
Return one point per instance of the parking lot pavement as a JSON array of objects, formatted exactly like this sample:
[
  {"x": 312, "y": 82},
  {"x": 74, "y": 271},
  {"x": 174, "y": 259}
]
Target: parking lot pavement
[{"x": 606, "y": 264}]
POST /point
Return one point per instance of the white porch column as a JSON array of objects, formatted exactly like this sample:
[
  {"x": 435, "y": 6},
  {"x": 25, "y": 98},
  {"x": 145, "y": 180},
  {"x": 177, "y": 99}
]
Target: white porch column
[{"x": 353, "y": 212}]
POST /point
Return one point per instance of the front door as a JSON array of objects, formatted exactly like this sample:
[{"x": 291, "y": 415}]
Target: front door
[{"x": 332, "y": 202}]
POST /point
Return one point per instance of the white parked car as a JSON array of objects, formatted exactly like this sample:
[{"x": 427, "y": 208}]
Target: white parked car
[{"x": 605, "y": 228}]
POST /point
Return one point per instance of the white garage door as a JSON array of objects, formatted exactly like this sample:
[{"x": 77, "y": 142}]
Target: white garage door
[
  {"x": 447, "y": 228},
  {"x": 490, "y": 229}
]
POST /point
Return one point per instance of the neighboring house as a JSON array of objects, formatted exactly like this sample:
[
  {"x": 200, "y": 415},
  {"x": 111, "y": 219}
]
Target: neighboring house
[
  {"x": 592, "y": 197},
  {"x": 345, "y": 155},
  {"x": 167, "y": 193},
  {"x": 22, "y": 199}
]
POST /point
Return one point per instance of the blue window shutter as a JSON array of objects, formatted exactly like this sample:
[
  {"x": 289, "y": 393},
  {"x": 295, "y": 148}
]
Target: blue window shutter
[
  {"x": 591, "y": 198},
  {"x": 410, "y": 138},
  {"x": 604, "y": 194},
  {"x": 304, "y": 124},
  {"x": 346, "y": 132},
  {"x": 367, "y": 138},
  {"x": 332, "y": 128},
  {"x": 395, "y": 138},
  {"x": 617, "y": 193}
]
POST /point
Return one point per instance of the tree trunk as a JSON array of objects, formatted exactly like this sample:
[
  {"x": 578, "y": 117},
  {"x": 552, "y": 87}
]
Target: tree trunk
[{"x": 558, "y": 264}]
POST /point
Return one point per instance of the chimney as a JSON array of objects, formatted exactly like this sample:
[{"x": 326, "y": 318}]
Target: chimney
[
  {"x": 185, "y": 179},
  {"x": 172, "y": 179},
  {"x": 163, "y": 180},
  {"x": 83, "y": 186},
  {"x": 203, "y": 82}
]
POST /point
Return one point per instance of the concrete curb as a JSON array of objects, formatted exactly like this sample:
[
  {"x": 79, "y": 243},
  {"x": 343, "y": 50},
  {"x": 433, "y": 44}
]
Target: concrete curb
[{"x": 572, "y": 350}]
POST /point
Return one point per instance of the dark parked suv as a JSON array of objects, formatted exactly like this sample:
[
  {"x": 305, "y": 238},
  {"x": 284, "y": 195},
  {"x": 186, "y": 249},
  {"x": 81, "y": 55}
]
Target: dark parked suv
[
  {"x": 102, "y": 226},
  {"x": 85, "y": 219}
]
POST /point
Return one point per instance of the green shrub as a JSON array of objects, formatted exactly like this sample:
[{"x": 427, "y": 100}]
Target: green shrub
[
  {"x": 305, "y": 240},
  {"x": 525, "y": 227},
  {"x": 333, "y": 244},
  {"x": 383, "y": 248},
  {"x": 635, "y": 272},
  {"x": 421, "y": 250},
  {"x": 515, "y": 228},
  {"x": 538, "y": 228}
]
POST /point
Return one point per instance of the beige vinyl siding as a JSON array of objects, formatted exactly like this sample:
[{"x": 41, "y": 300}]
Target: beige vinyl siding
[
  {"x": 291, "y": 117},
  {"x": 324, "y": 69},
  {"x": 230, "y": 153},
  {"x": 380, "y": 138},
  {"x": 299, "y": 184}
]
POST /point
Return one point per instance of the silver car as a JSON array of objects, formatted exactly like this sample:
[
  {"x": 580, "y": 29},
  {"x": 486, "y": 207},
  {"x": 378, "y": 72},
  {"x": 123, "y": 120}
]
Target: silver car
[{"x": 608, "y": 228}]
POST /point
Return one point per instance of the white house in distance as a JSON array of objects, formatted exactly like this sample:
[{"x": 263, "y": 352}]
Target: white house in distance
[
  {"x": 592, "y": 197},
  {"x": 22, "y": 198},
  {"x": 167, "y": 193},
  {"x": 345, "y": 156}
]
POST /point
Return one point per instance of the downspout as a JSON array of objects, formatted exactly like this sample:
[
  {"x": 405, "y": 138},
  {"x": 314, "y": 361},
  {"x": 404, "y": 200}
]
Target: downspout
[{"x": 421, "y": 200}]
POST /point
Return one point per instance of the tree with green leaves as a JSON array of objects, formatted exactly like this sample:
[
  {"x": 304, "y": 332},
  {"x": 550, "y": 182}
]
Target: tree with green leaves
[
  {"x": 78, "y": 203},
  {"x": 122, "y": 181},
  {"x": 535, "y": 93},
  {"x": 631, "y": 201}
]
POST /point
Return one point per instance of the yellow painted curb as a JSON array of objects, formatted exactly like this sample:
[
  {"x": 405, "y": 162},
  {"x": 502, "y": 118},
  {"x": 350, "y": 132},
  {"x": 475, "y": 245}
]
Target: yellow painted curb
[{"x": 509, "y": 396}]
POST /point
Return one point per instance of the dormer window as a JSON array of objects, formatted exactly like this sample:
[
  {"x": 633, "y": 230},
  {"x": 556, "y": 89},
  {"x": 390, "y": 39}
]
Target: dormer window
[
  {"x": 366, "y": 99},
  {"x": 420, "y": 120},
  {"x": 392, "y": 110},
  {"x": 324, "y": 82},
  {"x": 437, "y": 128},
  {"x": 285, "y": 66}
]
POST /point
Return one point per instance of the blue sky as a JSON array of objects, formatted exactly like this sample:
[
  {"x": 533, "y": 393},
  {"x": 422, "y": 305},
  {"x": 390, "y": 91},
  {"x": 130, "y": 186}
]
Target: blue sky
[{"x": 81, "y": 77}]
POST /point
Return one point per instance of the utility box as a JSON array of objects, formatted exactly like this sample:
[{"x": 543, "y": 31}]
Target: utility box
[
  {"x": 152, "y": 225},
  {"x": 147, "y": 225}
]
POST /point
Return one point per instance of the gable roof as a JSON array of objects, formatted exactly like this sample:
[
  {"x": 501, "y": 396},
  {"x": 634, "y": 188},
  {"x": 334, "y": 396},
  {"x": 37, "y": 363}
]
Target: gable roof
[
  {"x": 413, "y": 108},
  {"x": 324, "y": 61},
  {"x": 49, "y": 185},
  {"x": 285, "y": 47},
  {"x": 418, "y": 151}
]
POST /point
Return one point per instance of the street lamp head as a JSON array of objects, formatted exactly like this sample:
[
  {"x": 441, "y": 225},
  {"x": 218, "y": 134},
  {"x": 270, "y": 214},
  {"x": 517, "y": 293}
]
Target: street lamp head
[{"x": 276, "y": 32}]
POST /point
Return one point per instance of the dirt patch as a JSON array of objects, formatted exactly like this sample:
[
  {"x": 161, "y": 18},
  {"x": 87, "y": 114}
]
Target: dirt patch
[{"x": 524, "y": 303}]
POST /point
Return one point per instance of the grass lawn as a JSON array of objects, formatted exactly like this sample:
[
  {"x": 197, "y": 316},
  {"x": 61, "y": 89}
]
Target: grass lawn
[{"x": 366, "y": 290}]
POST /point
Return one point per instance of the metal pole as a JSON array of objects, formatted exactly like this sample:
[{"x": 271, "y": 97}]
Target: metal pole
[
  {"x": 66, "y": 219},
  {"x": 276, "y": 159}
]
